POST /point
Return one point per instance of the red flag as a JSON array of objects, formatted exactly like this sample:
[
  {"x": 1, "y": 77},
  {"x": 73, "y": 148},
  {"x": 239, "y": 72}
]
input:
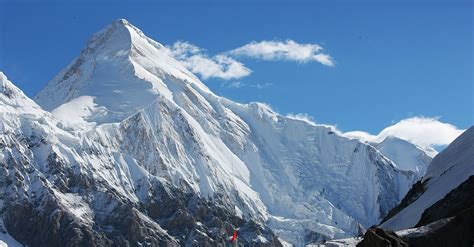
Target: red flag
[{"x": 235, "y": 236}]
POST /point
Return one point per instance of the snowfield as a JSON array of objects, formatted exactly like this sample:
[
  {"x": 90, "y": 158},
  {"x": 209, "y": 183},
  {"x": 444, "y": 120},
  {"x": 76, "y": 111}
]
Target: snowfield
[{"x": 405, "y": 155}]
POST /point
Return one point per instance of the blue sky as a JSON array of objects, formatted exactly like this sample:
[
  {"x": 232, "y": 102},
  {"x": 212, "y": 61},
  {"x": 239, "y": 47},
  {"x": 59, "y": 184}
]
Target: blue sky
[{"x": 393, "y": 60}]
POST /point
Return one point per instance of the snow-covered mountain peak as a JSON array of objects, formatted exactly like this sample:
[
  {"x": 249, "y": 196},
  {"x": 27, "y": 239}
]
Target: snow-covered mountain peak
[
  {"x": 119, "y": 36},
  {"x": 115, "y": 36},
  {"x": 119, "y": 72},
  {"x": 406, "y": 155},
  {"x": 428, "y": 150}
]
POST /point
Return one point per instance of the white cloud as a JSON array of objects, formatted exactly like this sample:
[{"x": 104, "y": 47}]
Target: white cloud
[
  {"x": 287, "y": 50},
  {"x": 181, "y": 50},
  {"x": 219, "y": 66},
  {"x": 423, "y": 131},
  {"x": 226, "y": 67}
]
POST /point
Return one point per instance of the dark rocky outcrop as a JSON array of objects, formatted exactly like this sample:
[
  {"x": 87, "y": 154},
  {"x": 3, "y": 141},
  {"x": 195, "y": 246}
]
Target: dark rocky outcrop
[
  {"x": 133, "y": 228},
  {"x": 454, "y": 202},
  {"x": 171, "y": 218},
  {"x": 378, "y": 237},
  {"x": 458, "y": 231},
  {"x": 193, "y": 224},
  {"x": 49, "y": 226},
  {"x": 196, "y": 221}
]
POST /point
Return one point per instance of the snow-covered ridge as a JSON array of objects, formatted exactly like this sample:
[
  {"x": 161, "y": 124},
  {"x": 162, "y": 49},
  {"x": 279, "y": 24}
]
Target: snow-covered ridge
[
  {"x": 12, "y": 96},
  {"x": 447, "y": 171},
  {"x": 405, "y": 155}
]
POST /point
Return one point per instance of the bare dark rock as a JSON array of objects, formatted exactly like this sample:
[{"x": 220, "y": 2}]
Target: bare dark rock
[
  {"x": 378, "y": 237},
  {"x": 458, "y": 231},
  {"x": 136, "y": 229},
  {"x": 50, "y": 226}
]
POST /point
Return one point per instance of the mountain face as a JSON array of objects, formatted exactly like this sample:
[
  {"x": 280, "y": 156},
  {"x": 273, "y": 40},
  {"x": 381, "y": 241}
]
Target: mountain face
[
  {"x": 405, "y": 155},
  {"x": 444, "y": 191},
  {"x": 63, "y": 189},
  {"x": 437, "y": 211},
  {"x": 132, "y": 148},
  {"x": 120, "y": 72}
]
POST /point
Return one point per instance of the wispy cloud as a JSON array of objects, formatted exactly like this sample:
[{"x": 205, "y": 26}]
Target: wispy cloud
[
  {"x": 288, "y": 50},
  {"x": 262, "y": 85},
  {"x": 239, "y": 84},
  {"x": 218, "y": 66},
  {"x": 232, "y": 84},
  {"x": 225, "y": 66},
  {"x": 423, "y": 131}
]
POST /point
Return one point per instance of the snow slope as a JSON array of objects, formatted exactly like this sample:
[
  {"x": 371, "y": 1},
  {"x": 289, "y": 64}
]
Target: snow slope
[
  {"x": 126, "y": 116},
  {"x": 404, "y": 154},
  {"x": 447, "y": 171},
  {"x": 122, "y": 71}
]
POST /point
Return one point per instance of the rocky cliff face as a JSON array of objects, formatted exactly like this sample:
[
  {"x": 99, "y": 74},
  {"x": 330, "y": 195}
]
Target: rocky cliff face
[{"x": 459, "y": 199}]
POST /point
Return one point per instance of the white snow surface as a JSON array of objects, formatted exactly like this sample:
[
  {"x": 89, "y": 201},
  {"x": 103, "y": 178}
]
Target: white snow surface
[
  {"x": 147, "y": 117},
  {"x": 122, "y": 71},
  {"x": 447, "y": 171},
  {"x": 422, "y": 230},
  {"x": 77, "y": 111},
  {"x": 404, "y": 154}
]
